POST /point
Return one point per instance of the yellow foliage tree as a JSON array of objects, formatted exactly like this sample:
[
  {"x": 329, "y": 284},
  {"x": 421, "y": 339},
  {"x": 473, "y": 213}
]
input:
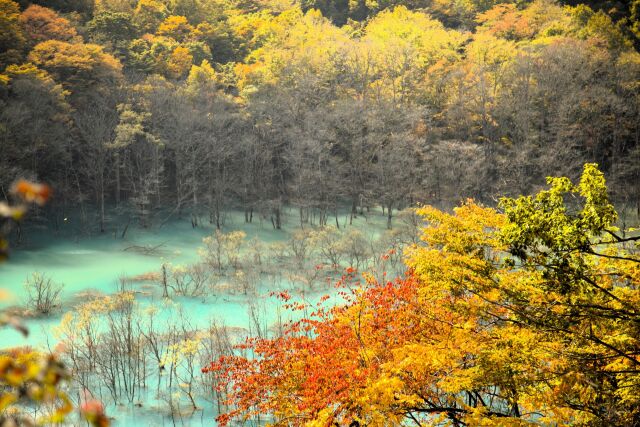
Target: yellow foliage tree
[
  {"x": 11, "y": 34},
  {"x": 201, "y": 77},
  {"x": 179, "y": 62},
  {"x": 149, "y": 14},
  {"x": 176, "y": 27},
  {"x": 77, "y": 65},
  {"x": 403, "y": 46}
]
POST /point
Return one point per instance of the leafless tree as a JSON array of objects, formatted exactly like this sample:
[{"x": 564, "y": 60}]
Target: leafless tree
[{"x": 42, "y": 293}]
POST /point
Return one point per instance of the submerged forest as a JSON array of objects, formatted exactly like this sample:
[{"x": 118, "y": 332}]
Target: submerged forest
[{"x": 320, "y": 213}]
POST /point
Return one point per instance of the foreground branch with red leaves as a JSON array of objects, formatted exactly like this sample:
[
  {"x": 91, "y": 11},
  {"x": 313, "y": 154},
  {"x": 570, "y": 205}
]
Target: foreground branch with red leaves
[{"x": 322, "y": 361}]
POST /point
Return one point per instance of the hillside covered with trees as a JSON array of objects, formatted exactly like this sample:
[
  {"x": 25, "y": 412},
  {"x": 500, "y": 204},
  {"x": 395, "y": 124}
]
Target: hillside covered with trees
[{"x": 193, "y": 107}]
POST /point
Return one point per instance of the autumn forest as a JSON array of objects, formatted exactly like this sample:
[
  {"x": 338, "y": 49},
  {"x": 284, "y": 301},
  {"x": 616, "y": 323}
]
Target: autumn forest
[{"x": 320, "y": 213}]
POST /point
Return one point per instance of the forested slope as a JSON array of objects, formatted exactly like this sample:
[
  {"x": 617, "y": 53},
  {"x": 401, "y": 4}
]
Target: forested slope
[{"x": 194, "y": 106}]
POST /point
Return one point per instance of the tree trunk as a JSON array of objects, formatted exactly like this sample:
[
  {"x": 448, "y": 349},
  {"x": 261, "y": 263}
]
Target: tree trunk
[
  {"x": 102, "y": 202},
  {"x": 117, "y": 168},
  {"x": 165, "y": 293},
  {"x": 353, "y": 211},
  {"x": 217, "y": 213},
  {"x": 301, "y": 219}
]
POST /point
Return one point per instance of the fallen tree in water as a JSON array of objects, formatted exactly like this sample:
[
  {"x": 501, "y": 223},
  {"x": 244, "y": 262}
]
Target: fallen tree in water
[{"x": 147, "y": 249}]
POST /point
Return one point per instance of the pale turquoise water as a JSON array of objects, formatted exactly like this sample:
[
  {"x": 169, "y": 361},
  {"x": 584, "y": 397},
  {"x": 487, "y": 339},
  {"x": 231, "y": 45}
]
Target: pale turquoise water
[{"x": 94, "y": 263}]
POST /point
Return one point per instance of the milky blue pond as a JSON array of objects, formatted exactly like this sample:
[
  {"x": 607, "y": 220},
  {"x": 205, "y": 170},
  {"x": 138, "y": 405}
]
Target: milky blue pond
[{"x": 92, "y": 264}]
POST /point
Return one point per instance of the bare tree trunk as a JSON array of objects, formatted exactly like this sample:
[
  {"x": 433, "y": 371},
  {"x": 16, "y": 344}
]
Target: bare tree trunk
[
  {"x": 117, "y": 168},
  {"x": 278, "y": 224},
  {"x": 126, "y": 227},
  {"x": 102, "y": 216},
  {"x": 353, "y": 210},
  {"x": 165, "y": 292}
]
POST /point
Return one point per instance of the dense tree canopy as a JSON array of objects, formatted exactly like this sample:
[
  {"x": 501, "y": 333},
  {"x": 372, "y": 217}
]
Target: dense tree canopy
[
  {"x": 480, "y": 98},
  {"x": 11, "y": 33},
  {"x": 42, "y": 24}
]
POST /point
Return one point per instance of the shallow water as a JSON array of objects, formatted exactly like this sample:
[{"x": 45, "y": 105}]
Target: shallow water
[{"x": 94, "y": 263}]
